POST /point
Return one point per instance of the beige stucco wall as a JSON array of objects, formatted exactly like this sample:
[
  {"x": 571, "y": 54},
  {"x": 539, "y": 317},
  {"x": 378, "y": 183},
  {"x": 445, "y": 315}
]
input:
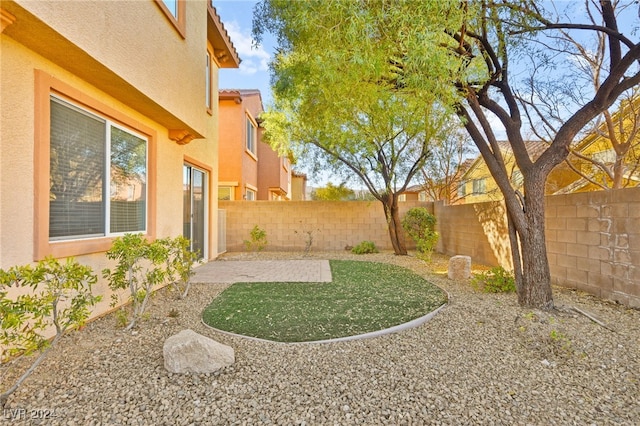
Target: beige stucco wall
[{"x": 125, "y": 42}]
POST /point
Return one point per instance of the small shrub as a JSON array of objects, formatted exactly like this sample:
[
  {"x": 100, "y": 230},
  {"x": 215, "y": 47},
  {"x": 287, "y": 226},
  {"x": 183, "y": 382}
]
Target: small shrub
[
  {"x": 180, "y": 263},
  {"x": 121, "y": 317},
  {"x": 140, "y": 268},
  {"x": 60, "y": 297},
  {"x": 258, "y": 239},
  {"x": 420, "y": 225},
  {"x": 365, "y": 247},
  {"x": 495, "y": 280}
]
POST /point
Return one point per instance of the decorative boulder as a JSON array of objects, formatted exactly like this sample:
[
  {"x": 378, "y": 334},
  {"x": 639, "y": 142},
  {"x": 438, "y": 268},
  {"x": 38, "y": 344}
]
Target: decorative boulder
[
  {"x": 459, "y": 268},
  {"x": 190, "y": 352}
]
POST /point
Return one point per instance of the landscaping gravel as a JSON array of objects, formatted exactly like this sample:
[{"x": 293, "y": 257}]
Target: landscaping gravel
[{"x": 481, "y": 360}]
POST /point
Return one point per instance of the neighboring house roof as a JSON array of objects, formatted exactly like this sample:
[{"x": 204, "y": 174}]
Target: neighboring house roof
[
  {"x": 238, "y": 94},
  {"x": 224, "y": 51}
]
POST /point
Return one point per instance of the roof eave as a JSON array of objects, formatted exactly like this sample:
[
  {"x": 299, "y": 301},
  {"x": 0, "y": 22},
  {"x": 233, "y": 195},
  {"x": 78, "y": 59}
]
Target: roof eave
[{"x": 224, "y": 51}]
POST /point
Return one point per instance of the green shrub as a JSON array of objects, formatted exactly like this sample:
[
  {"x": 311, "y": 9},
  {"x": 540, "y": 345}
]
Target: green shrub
[
  {"x": 60, "y": 296},
  {"x": 180, "y": 264},
  {"x": 495, "y": 280},
  {"x": 420, "y": 225},
  {"x": 365, "y": 247},
  {"x": 258, "y": 239},
  {"x": 140, "y": 267}
]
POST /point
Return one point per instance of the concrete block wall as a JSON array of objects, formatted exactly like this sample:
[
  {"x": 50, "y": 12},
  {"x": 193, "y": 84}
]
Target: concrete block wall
[
  {"x": 477, "y": 230},
  {"x": 593, "y": 242},
  {"x": 332, "y": 224},
  {"x": 593, "y": 239}
]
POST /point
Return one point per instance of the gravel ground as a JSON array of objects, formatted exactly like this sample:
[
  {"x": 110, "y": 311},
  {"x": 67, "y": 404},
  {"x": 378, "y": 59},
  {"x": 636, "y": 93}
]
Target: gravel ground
[{"x": 481, "y": 360}]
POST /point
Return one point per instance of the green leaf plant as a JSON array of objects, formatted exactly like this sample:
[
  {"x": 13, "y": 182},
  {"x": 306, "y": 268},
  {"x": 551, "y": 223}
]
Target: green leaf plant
[
  {"x": 141, "y": 266},
  {"x": 180, "y": 263},
  {"x": 57, "y": 295},
  {"x": 420, "y": 225}
]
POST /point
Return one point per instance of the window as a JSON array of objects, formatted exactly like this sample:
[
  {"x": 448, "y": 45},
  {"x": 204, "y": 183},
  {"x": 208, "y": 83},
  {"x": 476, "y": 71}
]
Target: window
[
  {"x": 94, "y": 172},
  {"x": 479, "y": 186},
  {"x": 224, "y": 193},
  {"x": 402, "y": 197},
  {"x": 462, "y": 189},
  {"x": 608, "y": 156},
  {"x": 251, "y": 135},
  {"x": 98, "y": 175},
  {"x": 207, "y": 95},
  {"x": 172, "y": 7},
  {"x": 250, "y": 195},
  {"x": 175, "y": 12}
]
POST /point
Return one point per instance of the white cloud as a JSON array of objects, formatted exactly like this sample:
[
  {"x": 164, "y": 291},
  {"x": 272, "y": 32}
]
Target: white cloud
[{"x": 254, "y": 59}]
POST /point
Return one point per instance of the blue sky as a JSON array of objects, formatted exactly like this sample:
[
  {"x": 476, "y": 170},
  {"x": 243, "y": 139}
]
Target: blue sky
[{"x": 237, "y": 15}]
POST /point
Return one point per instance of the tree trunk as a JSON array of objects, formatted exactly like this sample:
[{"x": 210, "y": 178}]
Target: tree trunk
[
  {"x": 391, "y": 213},
  {"x": 535, "y": 289}
]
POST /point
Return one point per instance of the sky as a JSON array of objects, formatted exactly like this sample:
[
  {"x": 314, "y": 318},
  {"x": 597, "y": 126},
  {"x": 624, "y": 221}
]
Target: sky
[{"x": 237, "y": 16}]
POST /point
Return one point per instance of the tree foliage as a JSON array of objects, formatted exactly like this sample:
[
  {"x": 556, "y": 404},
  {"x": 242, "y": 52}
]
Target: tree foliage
[
  {"x": 333, "y": 192},
  {"x": 364, "y": 86}
]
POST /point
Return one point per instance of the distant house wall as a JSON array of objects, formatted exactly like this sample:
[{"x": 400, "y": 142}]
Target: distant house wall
[
  {"x": 238, "y": 165},
  {"x": 274, "y": 174},
  {"x": 298, "y": 187}
]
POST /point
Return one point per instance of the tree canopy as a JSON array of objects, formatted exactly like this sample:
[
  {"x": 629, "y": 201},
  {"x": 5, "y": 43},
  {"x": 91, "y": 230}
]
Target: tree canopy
[{"x": 363, "y": 86}]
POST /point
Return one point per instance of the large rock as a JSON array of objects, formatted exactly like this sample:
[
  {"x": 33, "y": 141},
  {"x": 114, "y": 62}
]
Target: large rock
[
  {"x": 190, "y": 352},
  {"x": 459, "y": 268}
]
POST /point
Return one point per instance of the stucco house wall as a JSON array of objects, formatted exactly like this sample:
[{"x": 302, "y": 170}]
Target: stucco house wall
[
  {"x": 126, "y": 62},
  {"x": 238, "y": 165}
]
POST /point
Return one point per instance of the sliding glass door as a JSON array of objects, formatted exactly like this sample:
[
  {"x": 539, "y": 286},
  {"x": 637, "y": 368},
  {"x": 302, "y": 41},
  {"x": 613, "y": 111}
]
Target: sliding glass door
[{"x": 195, "y": 208}]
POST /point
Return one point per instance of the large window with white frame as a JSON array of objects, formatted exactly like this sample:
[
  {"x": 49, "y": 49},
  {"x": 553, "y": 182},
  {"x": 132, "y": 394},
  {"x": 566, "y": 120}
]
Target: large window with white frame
[{"x": 98, "y": 175}]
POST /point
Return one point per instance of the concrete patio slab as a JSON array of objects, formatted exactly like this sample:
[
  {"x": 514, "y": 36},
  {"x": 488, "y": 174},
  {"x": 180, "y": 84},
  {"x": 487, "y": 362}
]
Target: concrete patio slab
[{"x": 263, "y": 271}]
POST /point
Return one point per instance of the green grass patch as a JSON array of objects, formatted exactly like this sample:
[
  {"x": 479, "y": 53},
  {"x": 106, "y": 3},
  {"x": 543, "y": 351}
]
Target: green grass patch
[{"x": 363, "y": 297}]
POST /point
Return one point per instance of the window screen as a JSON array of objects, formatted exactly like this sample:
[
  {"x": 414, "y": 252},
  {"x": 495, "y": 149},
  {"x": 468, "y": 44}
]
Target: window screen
[
  {"x": 83, "y": 166},
  {"x": 76, "y": 206}
]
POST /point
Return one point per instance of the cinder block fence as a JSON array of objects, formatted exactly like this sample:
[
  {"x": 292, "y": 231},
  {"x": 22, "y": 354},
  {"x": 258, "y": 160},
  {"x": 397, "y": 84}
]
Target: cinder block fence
[{"x": 593, "y": 239}]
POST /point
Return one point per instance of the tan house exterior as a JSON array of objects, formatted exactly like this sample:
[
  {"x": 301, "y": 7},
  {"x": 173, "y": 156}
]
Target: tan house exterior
[
  {"x": 137, "y": 80},
  {"x": 274, "y": 174},
  {"x": 477, "y": 185},
  {"x": 249, "y": 169}
]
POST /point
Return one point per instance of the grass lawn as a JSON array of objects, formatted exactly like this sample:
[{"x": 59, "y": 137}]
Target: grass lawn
[{"x": 363, "y": 297}]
